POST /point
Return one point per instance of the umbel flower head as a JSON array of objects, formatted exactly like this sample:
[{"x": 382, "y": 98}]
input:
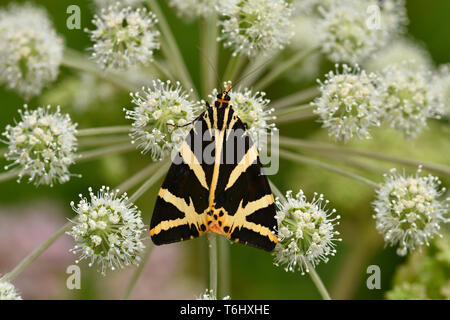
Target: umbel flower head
[
  {"x": 30, "y": 49},
  {"x": 306, "y": 232},
  {"x": 194, "y": 8},
  {"x": 398, "y": 51},
  {"x": 407, "y": 99},
  {"x": 124, "y": 37},
  {"x": 42, "y": 145},
  {"x": 441, "y": 88},
  {"x": 349, "y": 104},
  {"x": 158, "y": 113},
  {"x": 8, "y": 291},
  {"x": 252, "y": 109},
  {"x": 408, "y": 210},
  {"x": 209, "y": 294},
  {"x": 107, "y": 229},
  {"x": 254, "y": 26},
  {"x": 349, "y": 34}
]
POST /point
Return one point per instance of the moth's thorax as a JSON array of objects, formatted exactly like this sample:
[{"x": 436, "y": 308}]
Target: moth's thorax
[{"x": 222, "y": 100}]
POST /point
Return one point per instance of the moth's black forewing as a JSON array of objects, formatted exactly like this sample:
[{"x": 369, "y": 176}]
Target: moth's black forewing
[
  {"x": 250, "y": 186},
  {"x": 181, "y": 182}
]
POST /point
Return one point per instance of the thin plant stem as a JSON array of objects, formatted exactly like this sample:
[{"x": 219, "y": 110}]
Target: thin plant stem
[
  {"x": 294, "y": 109},
  {"x": 317, "y": 281},
  {"x": 298, "y": 116},
  {"x": 210, "y": 53},
  {"x": 293, "y": 142},
  {"x": 298, "y": 158},
  {"x": 175, "y": 54},
  {"x": 8, "y": 175},
  {"x": 75, "y": 60},
  {"x": 36, "y": 253},
  {"x": 279, "y": 70},
  {"x": 102, "y": 130},
  {"x": 232, "y": 67},
  {"x": 255, "y": 69},
  {"x": 96, "y": 153},
  {"x": 150, "y": 182},
  {"x": 225, "y": 267},
  {"x": 102, "y": 141},
  {"x": 296, "y": 98},
  {"x": 162, "y": 69},
  {"x": 139, "y": 176},
  {"x": 138, "y": 272},
  {"x": 277, "y": 191},
  {"x": 212, "y": 244},
  {"x": 311, "y": 271}
]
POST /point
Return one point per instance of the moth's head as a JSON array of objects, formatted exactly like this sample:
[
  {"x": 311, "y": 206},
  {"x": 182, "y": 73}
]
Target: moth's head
[{"x": 223, "y": 98}]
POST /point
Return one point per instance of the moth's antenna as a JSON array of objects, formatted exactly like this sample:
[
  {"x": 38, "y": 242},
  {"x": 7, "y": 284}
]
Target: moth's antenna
[
  {"x": 210, "y": 64},
  {"x": 250, "y": 73}
]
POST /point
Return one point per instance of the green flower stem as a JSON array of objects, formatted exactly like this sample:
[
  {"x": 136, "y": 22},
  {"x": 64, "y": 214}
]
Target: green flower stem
[
  {"x": 75, "y": 60},
  {"x": 138, "y": 272},
  {"x": 279, "y": 70},
  {"x": 139, "y": 176},
  {"x": 163, "y": 70},
  {"x": 36, "y": 253},
  {"x": 233, "y": 66},
  {"x": 150, "y": 182},
  {"x": 225, "y": 267},
  {"x": 298, "y": 158},
  {"x": 212, "y": 241},
  {"x": 296, "y": 116},
  {"x": 296, "y": 98},
  {"x": 317, "y": 281},
  {"x": 175, "y": 54},
  {"x": 102, "y": 141},
  {"x": 366, "y": 242},
  {"x": 8, "y": 175},
  {"x": 210, "y": 53},
  {"x": 255, "y": 68},
  {"x": 292, "y": 142},
  {"x": 294, "y": 109},
  {"x": 102, "y": 130},
  {"x": 97, "y": 153},
  {"x": 312, "y": 272}
]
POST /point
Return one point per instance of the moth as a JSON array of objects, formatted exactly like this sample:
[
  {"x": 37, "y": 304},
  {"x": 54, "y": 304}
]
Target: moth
[{"x": 216, "y": 184}]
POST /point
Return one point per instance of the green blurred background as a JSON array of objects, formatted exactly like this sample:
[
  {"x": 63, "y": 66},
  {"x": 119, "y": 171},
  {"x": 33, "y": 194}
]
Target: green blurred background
[{"x": 252, "y": 271}]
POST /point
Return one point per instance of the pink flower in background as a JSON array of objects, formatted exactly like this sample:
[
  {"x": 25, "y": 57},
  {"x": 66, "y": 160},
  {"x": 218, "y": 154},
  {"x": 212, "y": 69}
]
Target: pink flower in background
[{"x": 22, "y": 229}]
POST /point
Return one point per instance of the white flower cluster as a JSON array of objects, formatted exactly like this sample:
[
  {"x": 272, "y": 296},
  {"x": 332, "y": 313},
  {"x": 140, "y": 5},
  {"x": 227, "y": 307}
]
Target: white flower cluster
[
  {"x": 254, "y": 26},
  {"x": 158, "y": 115},
  {"x": 408, "y": 99},
  {"x": 252, "y": 109},
  {"x": 408, "y": 211},
  {"x": 8, "y": 291},
  {"x": 194, "y": 8},
  {"x": 124, "y": 37},
  {"x": 306, "y": 232},
  {"x": 398, "y": 51},
  {"x": 30, "y": 49},
  {"x": 349, "y": 31},
  {"x": 209, "y": 294},
  {"x": 349, "y": 103},
  {"x": 108, "y": 230},
  {"x": 42, "y": 145},
  {"x": 441, "y": 88}
]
